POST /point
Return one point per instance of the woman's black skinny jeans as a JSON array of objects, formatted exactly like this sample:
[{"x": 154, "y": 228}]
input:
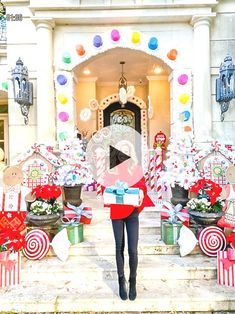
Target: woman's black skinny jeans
[{"x": 132, "y": 226}]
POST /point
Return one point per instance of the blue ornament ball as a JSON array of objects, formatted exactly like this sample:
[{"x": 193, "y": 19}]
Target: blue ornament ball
[
  {"x": 61, "y": 79},
  {"x": 153, "y": 43},
  {"x": 97, "y": 41}
]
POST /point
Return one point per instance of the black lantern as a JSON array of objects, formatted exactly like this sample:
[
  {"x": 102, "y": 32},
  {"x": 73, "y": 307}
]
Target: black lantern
[
  {"x": 23, "y": 89},
  {"x": 225, "y": 85},
  {"x": 122, "y": 88}
]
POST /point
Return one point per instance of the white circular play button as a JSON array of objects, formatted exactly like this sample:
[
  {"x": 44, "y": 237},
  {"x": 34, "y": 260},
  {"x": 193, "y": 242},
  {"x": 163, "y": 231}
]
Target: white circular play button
[{"x": 115, "y": 154}]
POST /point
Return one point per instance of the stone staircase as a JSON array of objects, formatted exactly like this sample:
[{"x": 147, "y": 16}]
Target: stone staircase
[{"x": 87, "y": 281}]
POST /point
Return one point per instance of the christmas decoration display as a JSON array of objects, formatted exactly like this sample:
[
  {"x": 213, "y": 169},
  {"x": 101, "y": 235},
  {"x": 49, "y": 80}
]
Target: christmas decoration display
[
  {"x": 61, "y": 245},
  {"x": 187, "y": 241},
  {"x": 74, "y": 229},
  {"x": 37, "y": 244},
  {"x": 75, "y": 169},
  {"x": 37, "y": 163},
  {"x": 171, "y": 212},
  {"x": 12, "y": 200},
  {"x": 213, "y": 161},
  {"x": 212, "y": 240},
  {"x": 226, "y": 268},
  {"x": 180, "y": 166}
]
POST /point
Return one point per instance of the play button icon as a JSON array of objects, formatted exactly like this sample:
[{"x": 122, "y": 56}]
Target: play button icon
[
  {"x": 116, "y": 153},
  {"x": 116, "y": 157}
]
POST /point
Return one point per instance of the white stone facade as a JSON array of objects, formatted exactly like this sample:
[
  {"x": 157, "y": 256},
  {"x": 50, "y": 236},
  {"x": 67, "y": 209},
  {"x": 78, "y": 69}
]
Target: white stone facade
[{"x": 203, "y": 32}]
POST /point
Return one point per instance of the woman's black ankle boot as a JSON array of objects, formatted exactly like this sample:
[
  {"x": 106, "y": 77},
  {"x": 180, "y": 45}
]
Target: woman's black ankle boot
[
  {"x": 132, "y": 289},
  {"x": 122, "y": 288}
]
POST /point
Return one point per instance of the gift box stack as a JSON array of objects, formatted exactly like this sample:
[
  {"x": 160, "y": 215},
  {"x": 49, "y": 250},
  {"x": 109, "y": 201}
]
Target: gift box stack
[
  {"x": 226, "y": 267},
  {"x": 121, "y": 194},
  {"x": 172, "y": 219},
  {"x": 82, "y": 213},
  {"x": 74, "y": 230}
]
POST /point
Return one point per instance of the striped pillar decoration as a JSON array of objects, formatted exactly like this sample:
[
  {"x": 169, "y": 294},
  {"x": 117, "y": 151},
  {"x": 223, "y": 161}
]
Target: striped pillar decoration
[
  {"x": 152, "y": 169},
  {"x": 100, "y": 157},
  {"x": 158, "y": 169}
]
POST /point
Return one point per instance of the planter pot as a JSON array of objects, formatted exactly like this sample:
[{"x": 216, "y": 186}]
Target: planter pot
[
  {"x": 42, "y": 220},
  {"x": 205, "y": 218},
  {"x": 72, "y": 195},
  {"x": 179, "y": 195}
]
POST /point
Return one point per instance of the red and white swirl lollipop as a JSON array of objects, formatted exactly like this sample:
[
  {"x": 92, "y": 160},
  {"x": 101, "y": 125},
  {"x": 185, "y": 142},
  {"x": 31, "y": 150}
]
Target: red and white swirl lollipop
[
  {"x": 37, "y": 244},
  {"x": 212, "y": 240}
]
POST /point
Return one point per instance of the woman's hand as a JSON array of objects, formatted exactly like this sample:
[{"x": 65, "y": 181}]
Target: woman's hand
[{"x": 141, "y": 197}]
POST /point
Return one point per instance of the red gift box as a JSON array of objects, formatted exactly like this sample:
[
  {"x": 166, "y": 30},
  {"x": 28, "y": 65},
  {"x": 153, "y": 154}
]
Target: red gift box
[
  {"x": 90, "y": 187},
  {"x": 226, "y": 268},
  {"x": 184, "y": 211},
  {"x": 86, "y": 215},
  {"x": 10, "y": 264}
]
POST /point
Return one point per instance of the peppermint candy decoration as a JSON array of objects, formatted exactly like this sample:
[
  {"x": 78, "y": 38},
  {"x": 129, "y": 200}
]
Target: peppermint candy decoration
[
  {"x": 94, "y": 104},
  {"x": 212, "y": 240},
  {"x": 37, "y": 244}
]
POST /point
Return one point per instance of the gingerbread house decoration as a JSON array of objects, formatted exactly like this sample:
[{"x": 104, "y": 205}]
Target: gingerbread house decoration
[
  {"x": 37, "y": 163},
  {"x": 213, "y": 162}
]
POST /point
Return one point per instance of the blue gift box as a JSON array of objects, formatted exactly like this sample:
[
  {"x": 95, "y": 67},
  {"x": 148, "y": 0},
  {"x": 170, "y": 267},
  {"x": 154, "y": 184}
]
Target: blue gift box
[{"x": 121, "y": 194}]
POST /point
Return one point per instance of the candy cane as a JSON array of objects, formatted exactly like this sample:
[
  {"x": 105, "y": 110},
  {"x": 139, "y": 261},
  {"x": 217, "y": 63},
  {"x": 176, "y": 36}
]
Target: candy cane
[
  {"x": 158, "y": 169},
  {"x": 151, "y": 169},
  {"x": 100, "y": 170}
]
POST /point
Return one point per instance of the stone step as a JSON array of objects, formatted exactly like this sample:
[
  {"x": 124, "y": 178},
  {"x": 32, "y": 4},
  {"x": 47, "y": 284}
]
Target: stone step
[
  {"x": 152, "y": 267},
  {"x": 148, "y": 245},
  {"x": 104, "y": 225},
  {"x": 102, "y": 296}
]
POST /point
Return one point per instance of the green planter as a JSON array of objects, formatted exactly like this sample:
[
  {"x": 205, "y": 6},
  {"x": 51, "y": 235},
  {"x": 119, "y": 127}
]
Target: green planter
[
  {"x": 170, "y": 232},
  {"x": 75, "y": 232}
]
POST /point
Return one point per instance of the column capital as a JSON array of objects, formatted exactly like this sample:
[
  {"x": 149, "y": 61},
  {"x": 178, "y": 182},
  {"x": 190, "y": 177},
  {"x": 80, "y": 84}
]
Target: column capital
[
  {"x": 48, "y": 23},
  {"x": 199, "y": 20}
]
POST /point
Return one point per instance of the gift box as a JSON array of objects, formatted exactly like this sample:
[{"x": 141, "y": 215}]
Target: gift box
[
  {"x": 170, "y": 232},
  {"x": 226, "y": 268},
  {"x": 82, "y": 213},
  {"x": 121, "y": 194},
  {"x": 86, "y": 215},
  {"x": 90, "y": 187},
  {"x": 74, "y": 231},
  {"x": 10, "y": 265},
  {"x": 180, "y": 212}
]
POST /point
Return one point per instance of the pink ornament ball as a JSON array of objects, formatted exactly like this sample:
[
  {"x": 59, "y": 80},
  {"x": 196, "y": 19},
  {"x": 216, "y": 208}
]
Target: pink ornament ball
[
  {"x": 183, "y": 79},
  {"x": 115, "y": 35},
  {"x": 63, "y": 116}
]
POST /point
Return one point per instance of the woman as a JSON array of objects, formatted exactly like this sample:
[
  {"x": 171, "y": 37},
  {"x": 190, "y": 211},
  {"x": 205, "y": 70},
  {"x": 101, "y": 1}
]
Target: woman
[{"x": 127, "y": 216}]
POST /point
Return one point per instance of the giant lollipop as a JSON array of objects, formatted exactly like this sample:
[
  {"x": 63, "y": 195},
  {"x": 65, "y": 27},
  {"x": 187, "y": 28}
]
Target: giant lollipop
[
  {"x": 37, "y": 244},
  {"x": 212, "y": 240}
]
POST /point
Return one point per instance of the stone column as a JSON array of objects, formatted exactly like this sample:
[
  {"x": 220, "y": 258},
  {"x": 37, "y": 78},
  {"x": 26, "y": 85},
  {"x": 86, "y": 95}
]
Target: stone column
[
  {"x": 202, "y": 110},
  {"x": 46, "y": 119}
]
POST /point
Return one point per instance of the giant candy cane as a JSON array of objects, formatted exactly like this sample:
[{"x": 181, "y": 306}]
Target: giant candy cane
[
  {"x": 158, "y": 169},
  {"x": 100, "y": 157}
]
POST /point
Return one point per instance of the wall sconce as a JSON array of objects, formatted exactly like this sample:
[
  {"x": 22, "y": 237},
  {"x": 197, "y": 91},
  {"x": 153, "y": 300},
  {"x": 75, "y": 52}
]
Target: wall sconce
[
  {"x": 23, "y": 89},
  {"x": 225, "y": 85}
]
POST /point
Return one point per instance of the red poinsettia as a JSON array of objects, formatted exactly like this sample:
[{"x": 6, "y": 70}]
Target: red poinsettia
[
  {"x": 11, "y": 240},
  {"x": 207, "y": 187},
  {"x": 47, "y": 192}
]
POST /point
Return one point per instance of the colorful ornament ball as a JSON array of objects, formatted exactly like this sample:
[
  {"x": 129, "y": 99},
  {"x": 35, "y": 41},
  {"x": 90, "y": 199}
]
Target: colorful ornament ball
[
  {"x": 61, "y": 79},
  {"x": 37, "y": 244},
  {"x": 63, "y": 136},
  {"x": 135, "y": 38},
  {"x": 185, "y": 115},
  {"x": 153, "y": 43},
  {"x": 184, "y": 98},
  {"x": 5, "y": 85},
  {"x": 187, "y": 128},
  {"x": 63, "y": 99},
  {"x": 172, "y": 54},
  {"x": 183, "y": 79},
  {"x": 115, "y": 35},
  {"x": 66, "y": 57},
  {"x": 80, "y": 50},
  {"x": 97, "y": 41},
  {"x": 63, "y": 116}
]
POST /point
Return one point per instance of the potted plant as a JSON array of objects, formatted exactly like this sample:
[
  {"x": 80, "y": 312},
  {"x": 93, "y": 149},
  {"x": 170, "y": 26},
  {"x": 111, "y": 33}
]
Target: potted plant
[
  {"x": 181, "y": 171},
  {"x": 45, "y": 209},
  {"x": 207, "y": 207},
  {"x": 74, "y": 173}
]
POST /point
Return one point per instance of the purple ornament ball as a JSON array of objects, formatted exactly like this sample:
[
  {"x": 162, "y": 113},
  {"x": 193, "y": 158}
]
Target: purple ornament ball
[{"x": 183, "y": 79}]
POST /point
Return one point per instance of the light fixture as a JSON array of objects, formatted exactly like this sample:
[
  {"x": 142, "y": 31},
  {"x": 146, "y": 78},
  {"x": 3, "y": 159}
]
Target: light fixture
[
  {"x": 225, "y": 85},
  {"x": 86, "y": 72},
  {"x": 23, "y": 89},
  {"x": 157, "y": 70},
  {"x": 122, "y": 88}
]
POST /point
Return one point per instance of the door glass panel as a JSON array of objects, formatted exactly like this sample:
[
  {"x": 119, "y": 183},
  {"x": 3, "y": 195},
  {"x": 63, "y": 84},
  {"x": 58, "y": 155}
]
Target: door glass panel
[{"x": 123, "y": 117}]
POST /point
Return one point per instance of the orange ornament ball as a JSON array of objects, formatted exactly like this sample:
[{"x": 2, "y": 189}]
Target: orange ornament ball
[
  {"x": 172, "y": 54},
  {"x": 80, "y": 50},
  {"x": 187, "y": 129}
]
